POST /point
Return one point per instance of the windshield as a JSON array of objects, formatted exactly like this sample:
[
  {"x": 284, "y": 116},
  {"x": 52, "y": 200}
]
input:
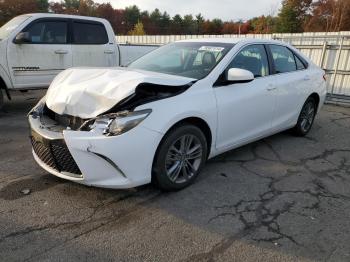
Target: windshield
[
  {"x": 189, "y": 59},
  {"x": 7, "y": 28}
]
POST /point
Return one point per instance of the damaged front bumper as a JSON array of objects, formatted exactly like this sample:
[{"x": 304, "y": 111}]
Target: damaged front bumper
[{"x": 93, "y": 159}]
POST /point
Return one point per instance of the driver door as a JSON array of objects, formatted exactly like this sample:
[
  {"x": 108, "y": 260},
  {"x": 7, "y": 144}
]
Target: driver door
[
  {"x": 245, "y": 110},
  {"x": 47, "y": 51}
]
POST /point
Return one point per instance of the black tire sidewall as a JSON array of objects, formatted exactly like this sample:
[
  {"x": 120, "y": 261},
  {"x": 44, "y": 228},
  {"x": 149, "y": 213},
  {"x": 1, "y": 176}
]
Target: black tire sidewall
[
  {"x": 298, "y": 129},
  {"x": 159, "y": 176}
]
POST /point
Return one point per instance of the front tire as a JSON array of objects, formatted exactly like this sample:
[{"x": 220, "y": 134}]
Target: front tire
[
  {"x": 179, "y": 158},
  {"x": 306, "y": 118}
]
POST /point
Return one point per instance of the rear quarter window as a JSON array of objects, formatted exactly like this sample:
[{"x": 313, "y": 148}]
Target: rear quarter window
[{"x": 299, "y": 63}]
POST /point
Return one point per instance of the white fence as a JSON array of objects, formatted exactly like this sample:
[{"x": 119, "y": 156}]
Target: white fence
[{"x": 331, "y": 51}]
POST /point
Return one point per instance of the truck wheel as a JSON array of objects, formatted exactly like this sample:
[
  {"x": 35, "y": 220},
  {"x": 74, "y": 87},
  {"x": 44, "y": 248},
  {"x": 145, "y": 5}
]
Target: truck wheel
[{"x": 1, "y": 99}]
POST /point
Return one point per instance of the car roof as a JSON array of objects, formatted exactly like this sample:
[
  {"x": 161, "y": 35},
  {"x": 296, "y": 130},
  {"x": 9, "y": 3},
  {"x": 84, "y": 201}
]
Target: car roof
[
  {"x": 244, "y": 41},
  {"x": 233, "y": 40},
  {"x": 44, "y": 15}
]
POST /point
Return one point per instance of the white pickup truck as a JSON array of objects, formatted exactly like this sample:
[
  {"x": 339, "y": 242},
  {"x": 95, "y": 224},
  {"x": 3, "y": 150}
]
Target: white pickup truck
[{"x": 34, "y": 48}]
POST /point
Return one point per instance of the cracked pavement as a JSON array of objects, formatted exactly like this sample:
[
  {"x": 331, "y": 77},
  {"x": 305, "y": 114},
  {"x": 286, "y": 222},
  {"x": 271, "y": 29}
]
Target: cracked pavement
[{"x": 282, "y": 198}]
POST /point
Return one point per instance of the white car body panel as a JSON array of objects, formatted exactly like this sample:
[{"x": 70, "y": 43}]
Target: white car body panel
[
  {"x": 236, "y": 114},
  {"x": 252, "y": 102},
  {"x": 88, "y": 92},
  {"x": 197, "y": 97},
  {"x": 45, "y": 64},
  {"x": 126, "y": 151},
  {"x": 94, "y": 55}
]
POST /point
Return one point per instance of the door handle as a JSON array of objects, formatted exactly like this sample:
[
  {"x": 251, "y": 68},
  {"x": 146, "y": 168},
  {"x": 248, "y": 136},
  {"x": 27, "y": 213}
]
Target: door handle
[
  {"x": 61, "y": 52},
  {"x": 307, "y": 78},
  {"x": 109, "y": 52},
  {"x": 271, "y": 87}
]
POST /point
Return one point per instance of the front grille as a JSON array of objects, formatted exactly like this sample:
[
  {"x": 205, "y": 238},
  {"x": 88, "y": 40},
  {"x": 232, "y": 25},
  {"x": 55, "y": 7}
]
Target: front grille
[
  {"x": 56, "y": 155},
  {"x": 44, "y": 153}
]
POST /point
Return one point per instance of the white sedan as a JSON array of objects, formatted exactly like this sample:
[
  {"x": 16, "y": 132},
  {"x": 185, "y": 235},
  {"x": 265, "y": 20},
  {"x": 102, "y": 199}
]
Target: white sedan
[{"x": 163, "y": 116}]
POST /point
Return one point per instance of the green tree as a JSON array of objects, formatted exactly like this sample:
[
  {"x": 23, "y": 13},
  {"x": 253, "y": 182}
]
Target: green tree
[
  {"x": 189, "y": 25},
  {"x": 176, "y": 27},
  {"x": 138, "y": 30},
  {"x": 43, "y": 5},
  {"x": 200, "y": 21},
  {"x": 72, "y": 4},
  {"x": 293, "y": 15},
  {"x": 132, "y": 16},
  {"x": 144, "y": 18},
  {"x": 263, "y": 24},
  {"x": 165, "y": 23},
  {"x": 217, "y": 25},
  {"x": 155, "y": 21}
]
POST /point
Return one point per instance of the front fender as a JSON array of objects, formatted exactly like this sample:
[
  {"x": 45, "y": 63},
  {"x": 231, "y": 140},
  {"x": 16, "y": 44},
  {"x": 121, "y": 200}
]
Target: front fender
[{"x": 194, "y": 103}]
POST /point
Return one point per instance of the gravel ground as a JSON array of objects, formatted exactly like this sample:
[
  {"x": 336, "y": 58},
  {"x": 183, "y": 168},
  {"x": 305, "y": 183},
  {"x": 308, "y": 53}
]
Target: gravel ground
[{"x": 280, "y": 199}]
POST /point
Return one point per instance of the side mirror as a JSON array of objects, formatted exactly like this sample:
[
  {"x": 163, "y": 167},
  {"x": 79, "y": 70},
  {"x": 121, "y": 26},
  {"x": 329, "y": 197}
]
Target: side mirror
[
  {"x": 237, "y": 75},
  {"x": 22, "y": 37}
]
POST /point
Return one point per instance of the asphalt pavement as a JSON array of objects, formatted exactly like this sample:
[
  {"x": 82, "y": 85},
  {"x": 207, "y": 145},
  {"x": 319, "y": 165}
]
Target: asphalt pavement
[{"x": 283, "y": 198}]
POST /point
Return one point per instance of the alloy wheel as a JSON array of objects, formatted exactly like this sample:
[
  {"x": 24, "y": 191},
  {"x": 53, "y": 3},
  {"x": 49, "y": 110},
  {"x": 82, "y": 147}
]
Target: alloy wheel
[
  {"x": 183, "y": 158},
  {"x": 307, "y": 116}
]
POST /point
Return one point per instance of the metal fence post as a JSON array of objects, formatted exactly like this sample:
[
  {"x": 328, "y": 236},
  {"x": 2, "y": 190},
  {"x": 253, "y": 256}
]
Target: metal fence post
[
  {"x": 337, "y": 64},
  {"x": 323, "y": 55}
]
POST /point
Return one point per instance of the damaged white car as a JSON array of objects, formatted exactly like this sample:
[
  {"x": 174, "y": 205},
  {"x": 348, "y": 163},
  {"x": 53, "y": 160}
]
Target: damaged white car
[{"x": 164, "y": 115}]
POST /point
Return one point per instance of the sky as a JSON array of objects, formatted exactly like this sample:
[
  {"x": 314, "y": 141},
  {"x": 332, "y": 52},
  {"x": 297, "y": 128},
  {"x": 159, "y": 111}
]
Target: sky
[{"x": 223, "y": 9}]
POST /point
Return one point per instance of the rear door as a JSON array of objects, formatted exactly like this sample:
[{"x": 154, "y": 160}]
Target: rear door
[
  {"x": 90, "y": 44},
  {"x": 35, "y": 63},
  {"x": 291, "y": 81}
]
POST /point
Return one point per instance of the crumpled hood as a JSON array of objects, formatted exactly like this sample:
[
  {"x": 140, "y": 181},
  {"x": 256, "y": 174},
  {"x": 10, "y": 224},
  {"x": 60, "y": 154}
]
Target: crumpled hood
[{"x": 89, "y": 92}]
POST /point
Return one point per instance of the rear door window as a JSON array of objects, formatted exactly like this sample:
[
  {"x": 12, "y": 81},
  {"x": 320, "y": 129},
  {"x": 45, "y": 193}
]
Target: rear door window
[
  {"x": 283, "y": 58},
  {"x": 89, "y": 33}
]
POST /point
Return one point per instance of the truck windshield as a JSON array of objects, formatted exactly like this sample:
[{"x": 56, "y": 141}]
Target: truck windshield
[
  {"x": 11, "y": 25},
  {"x": 188, "y": 59}
]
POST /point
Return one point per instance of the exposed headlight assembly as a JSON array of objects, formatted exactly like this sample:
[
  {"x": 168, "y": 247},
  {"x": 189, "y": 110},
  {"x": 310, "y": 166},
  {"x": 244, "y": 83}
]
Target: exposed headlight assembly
[
  {"x": 38, "y": 108},
  {"x": 118, "y": 123}
]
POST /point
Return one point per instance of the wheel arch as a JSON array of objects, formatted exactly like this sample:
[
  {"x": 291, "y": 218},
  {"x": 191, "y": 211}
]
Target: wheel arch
[
  {"x": 196, "y": 121},
  {"x": 202, "y": 125},
  {"x": 317, "y": 99}
]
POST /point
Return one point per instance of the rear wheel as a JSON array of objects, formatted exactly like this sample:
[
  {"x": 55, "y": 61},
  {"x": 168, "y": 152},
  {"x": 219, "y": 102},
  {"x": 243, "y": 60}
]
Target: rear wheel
[
  {"x": 180, "y": 157},
  {"x": 306, "y": 117}
]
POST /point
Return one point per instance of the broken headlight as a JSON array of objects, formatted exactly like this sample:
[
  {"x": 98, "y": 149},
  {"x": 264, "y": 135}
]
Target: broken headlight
[
  {"x": 119, "y": 123},
  {"x": 38, "y": 108}
]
